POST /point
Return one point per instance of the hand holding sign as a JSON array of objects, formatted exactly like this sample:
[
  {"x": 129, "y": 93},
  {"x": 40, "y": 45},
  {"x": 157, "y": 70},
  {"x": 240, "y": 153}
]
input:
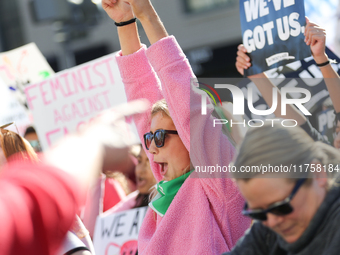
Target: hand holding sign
[
  {"x": 315, "y": 36},
  {"x": 118, "y": 10},
  {"x": 273, "y": 32},
  {"x": 242, "y": 59}
]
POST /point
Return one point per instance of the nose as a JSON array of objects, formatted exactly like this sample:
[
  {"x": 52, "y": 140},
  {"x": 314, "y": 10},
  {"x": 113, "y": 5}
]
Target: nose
[
  {"x": 153, "y": 148},
  {"x": 273, "y": 220}
]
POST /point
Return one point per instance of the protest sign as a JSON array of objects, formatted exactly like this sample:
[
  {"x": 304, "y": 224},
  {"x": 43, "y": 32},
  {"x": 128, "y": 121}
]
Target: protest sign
[
  {"x": 309, "y": 77},
  {"x": 326, "y": 124},
  {"x": 12, "y": 111},
  {"x": 273, "y": 33},
  {"x": 21, "y": 66},
  {"x": 118, "y": 233},
  {"x": 71, "y": 98}
]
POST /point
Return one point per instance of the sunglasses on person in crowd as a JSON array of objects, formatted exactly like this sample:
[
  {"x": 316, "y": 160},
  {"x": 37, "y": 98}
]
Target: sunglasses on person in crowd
[
  {"x": 158, "y": 136},
  {"x": 279, "y": 208},
  {"x": 8, "y": 124}
]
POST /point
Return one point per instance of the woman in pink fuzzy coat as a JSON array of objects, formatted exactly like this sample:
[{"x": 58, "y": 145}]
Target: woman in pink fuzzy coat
[{"x": 188, "y": 215}]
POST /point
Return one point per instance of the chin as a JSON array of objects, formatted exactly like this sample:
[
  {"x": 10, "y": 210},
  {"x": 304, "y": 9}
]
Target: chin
[
  {"x": 291, "y": 238},
  {"x": 167, "y": 178}
]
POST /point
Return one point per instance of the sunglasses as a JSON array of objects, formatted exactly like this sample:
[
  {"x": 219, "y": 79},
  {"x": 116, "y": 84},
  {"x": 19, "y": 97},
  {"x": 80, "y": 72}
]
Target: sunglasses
[
  {"x": 8, "y": 124},
  {"x": 158, "y": 136},
  {"x": 279, "y": 208}
]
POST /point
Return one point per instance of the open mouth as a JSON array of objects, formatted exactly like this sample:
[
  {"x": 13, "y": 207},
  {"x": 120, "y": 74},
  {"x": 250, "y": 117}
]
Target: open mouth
[{"x": 164, "y": 167}]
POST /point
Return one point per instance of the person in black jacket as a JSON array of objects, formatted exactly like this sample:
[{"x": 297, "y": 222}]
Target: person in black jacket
[{"x": 292, "y": 192}]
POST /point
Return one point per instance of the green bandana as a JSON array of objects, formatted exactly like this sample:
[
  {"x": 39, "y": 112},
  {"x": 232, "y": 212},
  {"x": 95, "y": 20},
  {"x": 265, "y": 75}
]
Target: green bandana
[{"x": 167, "y": 190}]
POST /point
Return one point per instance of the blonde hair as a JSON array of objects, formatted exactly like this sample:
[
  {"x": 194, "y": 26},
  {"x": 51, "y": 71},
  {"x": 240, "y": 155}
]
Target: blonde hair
[
  {"x": 282, "y": 146},
  {"x": 16, "y": 147},
  {"x": 160, "y": 106}
]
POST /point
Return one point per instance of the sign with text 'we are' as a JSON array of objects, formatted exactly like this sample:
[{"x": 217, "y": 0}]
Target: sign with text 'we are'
[{"x": 117, "y": 233}]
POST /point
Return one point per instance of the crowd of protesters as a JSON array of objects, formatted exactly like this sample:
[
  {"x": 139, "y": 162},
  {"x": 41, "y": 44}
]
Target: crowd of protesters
[{"x": 49, "y": 202}]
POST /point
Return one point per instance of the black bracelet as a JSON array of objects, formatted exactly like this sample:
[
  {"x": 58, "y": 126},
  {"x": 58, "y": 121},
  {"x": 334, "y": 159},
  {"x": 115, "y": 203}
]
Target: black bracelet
[
  {"x": 329, "y": 61},
  {"x": 323, "y": 64},
  {"x": 124, "y": 23}
]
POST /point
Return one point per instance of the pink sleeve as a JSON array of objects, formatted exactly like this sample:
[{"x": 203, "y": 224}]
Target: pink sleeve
[
  {"x": 141, "y": 81},
  {"x": 37, "y": 207},
  {"x": 209, "y": 146},
  {"x": 126, "y": 204}
]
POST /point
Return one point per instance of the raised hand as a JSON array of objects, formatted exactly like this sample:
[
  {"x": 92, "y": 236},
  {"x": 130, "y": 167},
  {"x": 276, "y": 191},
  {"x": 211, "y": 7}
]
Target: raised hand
[
  {"x": 149, "y": 18},
  {"x": 141, "y": 8},
  {"x": 242, "y": 59},
  {"x": 118, "y": 10},
  {"x": 315, "y": 36},
  {"x": 101, "y": 144}
]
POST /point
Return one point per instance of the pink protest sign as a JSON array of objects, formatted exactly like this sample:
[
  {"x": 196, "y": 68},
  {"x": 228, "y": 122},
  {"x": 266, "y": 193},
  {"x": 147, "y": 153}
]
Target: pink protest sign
[{"x": 71, "y": 98}]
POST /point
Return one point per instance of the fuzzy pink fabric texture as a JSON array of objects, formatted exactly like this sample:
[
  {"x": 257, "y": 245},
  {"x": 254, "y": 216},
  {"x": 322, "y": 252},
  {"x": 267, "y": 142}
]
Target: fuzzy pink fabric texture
[
  {"x": 125, "y": 204},
  {"x": 106, "y": 193},
  {"x": 205, "y": 215}
]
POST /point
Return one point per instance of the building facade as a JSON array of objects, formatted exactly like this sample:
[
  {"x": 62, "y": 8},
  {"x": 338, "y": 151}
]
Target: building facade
[{"x": 208, "y": 31}]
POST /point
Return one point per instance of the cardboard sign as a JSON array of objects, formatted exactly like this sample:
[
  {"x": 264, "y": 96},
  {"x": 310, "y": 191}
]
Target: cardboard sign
[
  {"x": 21, "y": 66},
  {"x": 273, "y": 33},
  {"x": 309, "y": 77},
  {"x": 326, "y": 124},
  {"x": 118, "y": 233},
  {"x": 71, "y": 98},
  {"x": 11, "y": 110}
]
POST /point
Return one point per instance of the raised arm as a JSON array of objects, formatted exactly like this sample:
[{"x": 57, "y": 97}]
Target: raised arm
[
  {"x": 120, "y": 11},
  {"x": 265, "y": 87},
  {"x": 139, "y": 78},
  {"x": 150, "y": 20},
  {"x": 316, "y": 38},
  {"x": 207, "y": 145},
  {"x": 175, "y": 73}
]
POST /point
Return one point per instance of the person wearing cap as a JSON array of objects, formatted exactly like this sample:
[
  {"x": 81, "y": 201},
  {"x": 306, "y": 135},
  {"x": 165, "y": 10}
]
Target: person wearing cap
[{"x": 295, "y": 200}]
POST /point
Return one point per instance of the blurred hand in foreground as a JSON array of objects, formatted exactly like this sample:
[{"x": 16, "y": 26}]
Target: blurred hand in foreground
[{"x": 100, "y": 144}]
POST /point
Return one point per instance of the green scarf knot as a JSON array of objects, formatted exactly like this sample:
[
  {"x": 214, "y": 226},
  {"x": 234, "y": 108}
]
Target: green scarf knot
[{"x": 167, "y": 191}]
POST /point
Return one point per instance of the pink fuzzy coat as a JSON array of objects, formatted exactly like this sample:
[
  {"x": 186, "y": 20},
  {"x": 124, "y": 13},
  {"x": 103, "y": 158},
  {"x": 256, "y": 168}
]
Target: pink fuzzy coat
[{"x": 205, "y": 215}]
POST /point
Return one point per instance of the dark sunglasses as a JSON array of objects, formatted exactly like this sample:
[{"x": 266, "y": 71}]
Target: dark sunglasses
[
  {"x": 158, "y": 136},
  {"x": 7, "y": 125},
  {"x": 279, "y": 208}
]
